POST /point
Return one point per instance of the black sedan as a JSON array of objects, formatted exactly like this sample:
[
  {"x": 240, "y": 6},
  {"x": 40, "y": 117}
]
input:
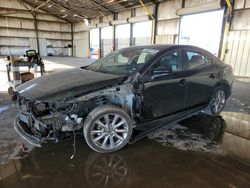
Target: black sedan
[{"x": 132, "y": 88}]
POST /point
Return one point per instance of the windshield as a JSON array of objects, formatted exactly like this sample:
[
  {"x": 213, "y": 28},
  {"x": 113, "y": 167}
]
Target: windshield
[{"x": 123, "y": 62}]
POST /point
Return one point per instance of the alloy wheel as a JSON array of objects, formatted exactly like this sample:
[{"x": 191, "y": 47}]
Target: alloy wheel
[
  {"x": 218, "y": 101},
  {"x": 109, "y": 131}
]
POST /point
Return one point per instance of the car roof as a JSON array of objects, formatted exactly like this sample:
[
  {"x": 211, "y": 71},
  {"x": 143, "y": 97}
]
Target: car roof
[
  {"x": 162, "y": 47},
  {"x": 155, "y": 47}
]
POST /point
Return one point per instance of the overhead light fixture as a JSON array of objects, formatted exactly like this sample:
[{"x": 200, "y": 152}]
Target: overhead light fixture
[
  {"x": 75, "y": 15},
  {"x": 49, "y": 6},
  {"x": 86, "y": 22},
  {"x": 65, "y": 15}
]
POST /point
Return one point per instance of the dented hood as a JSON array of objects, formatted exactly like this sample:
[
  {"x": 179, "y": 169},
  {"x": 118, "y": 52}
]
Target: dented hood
[{"x": 67, "y": 83}]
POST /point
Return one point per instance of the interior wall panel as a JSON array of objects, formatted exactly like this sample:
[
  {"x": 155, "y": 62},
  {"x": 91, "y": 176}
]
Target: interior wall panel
[
  {"x": 124, "y": 15},
  {"x": 14, "y": 41},
  {"x": 81, "y": 44},
  {"x": 240, "y": 21},
  {"x": 11, "y": 3},
  {"x": 247, "y": 4},
  {"x": 238, "y": 47},
  {"x": 239, "y": 4},
  {"x": 190, "y": 3},
  {"x": 79, "y": 27},
  {"x": 33, "y": 43},
  {"x": 171, "y": 7},
  {"x": 13, "y": 50},
  {"x": 17, "y": 32},
  {"x": 165, "y": 39},
  {"x": 140, "y": 11},
  {"x": 168, "y": 27}
]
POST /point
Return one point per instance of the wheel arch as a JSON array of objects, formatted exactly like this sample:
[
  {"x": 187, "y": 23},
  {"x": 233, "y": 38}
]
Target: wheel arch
[
  {"x": 121, "y": 96},
  {"x": 226, "y": 85}
]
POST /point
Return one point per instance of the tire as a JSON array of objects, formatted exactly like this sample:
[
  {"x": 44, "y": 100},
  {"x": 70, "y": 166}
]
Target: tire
[
  {"x": 11, "y": 90},
  {"x": 218, "y": 100},
  {"x": 107, "y": 128}
]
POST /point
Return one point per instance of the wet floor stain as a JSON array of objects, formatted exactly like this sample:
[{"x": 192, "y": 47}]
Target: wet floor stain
[
  {"x": 200, "y": 133},
  {"x": 12, "y": 147},
  {"x": 3, "y": 108}
]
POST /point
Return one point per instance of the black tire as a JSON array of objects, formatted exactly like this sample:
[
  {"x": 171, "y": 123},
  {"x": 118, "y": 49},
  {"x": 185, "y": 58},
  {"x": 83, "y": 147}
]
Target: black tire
[
  {"x": 97, "y": 115},
  {"x": 11, "y": 90},
  {"x": 219, "y": 90}
]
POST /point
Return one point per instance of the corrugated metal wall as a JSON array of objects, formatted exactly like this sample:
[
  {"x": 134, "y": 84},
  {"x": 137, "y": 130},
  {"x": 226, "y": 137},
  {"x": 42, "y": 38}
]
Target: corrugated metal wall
[
  {"x": 238, "y": 42},
  {"x": 81, "y": 40},
  {"x": 17, "y": 32},
  {"x": 238, "y": 55},
  {"x": 168, "y": 22}
]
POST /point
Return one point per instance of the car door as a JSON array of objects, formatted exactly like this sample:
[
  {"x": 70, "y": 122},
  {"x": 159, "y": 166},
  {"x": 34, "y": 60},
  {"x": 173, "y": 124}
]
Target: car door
[
  {"x": 164, "y": 86},
  {"x": 201, "y": 76}
]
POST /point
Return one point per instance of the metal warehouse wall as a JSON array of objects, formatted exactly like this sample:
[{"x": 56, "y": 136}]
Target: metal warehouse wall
[
  {"x": 167, "y": 31},
  {"x": 80, "y": 40},
  {"x": 168, "y": 22},
  {"x": 17, "y": 31},
  {"x": 238, "y": 41}
]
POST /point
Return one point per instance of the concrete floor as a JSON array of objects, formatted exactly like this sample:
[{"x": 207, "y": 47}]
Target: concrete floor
[{"x": 201, "y": 151}]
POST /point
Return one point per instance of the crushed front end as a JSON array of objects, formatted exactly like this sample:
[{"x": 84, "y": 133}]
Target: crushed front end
[
  {"x": 40, "y": 122},
  {"x": 56, "y": 118}
]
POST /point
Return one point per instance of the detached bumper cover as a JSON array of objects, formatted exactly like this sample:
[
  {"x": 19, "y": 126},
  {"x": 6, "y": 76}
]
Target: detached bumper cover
[{"x": 33, "y": 140}]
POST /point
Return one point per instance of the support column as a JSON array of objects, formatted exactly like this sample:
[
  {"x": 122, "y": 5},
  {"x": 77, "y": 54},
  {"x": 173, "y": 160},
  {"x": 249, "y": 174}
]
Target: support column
[
  {"x": 227, "y": 23},
  {"x": 100, "y": 43},
  {"x": 36, "y": 31},
  {"x": 155, "y": 13},
  {"x": 72, "y": 39},
  {"x": 114, "y": 40},
  {"x": 131, "y": 39}
]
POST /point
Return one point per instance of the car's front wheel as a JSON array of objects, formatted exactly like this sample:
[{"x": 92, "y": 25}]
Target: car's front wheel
[
  {"x": 218, "y": 100},
  {"x": 107, "y": 128}
]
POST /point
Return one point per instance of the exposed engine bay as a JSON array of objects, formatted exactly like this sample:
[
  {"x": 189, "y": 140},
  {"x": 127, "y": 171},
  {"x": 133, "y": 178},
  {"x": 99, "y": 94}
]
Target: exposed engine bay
[{"x": 52, "y": 121}]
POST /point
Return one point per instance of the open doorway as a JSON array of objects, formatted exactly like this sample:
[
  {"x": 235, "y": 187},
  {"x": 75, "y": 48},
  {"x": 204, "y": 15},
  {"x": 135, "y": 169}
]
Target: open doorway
[{"x": 202, "y": 30}]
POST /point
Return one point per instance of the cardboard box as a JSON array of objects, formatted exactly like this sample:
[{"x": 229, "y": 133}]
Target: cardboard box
[{"x": 26, "y": 76}]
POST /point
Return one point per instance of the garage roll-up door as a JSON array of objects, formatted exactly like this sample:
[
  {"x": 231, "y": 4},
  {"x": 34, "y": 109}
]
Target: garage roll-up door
[
  {"x": 107, "y": 40},
  {"x": 94, "y": 43},
  {"x": 122, "y": 36},
  {"x": 142, "y": 33},
  {"x": 213, "y": 5},
  {"x": 203, "y": 30}
]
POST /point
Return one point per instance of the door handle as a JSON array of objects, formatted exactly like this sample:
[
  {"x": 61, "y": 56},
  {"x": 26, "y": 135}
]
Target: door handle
[
  {"x": 182, "y": 82},
  {"x": 212, "y": 75}
]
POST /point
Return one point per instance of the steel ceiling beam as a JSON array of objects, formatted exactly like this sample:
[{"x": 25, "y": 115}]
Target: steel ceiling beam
[
  {"x": 99, "y": 4},
  {"x": 42, "y": 4}
]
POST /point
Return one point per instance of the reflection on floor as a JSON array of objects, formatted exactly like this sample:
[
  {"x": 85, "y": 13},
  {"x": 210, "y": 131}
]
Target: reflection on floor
[{"x": 201, "y": 151}]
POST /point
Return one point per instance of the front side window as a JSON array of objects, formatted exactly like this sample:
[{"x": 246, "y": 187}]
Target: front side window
[
  {"x": 123, "y": 62},
  {"x": 196, "y": 59},
  {"x": 168, "y": 63}
]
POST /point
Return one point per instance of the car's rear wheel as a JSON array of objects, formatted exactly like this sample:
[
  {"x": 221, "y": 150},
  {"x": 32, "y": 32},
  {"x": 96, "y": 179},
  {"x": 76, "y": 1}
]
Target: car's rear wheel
[
  {"x": 218, "y": 100},
  {"x": 107, "y": 128}
]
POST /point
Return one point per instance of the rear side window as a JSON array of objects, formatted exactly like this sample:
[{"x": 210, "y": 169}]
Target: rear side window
[{"x": 196, "y": 59}]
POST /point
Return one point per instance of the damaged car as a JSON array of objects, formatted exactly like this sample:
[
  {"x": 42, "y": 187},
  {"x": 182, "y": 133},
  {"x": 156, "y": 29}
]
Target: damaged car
[{"x": 127, "y": 90}]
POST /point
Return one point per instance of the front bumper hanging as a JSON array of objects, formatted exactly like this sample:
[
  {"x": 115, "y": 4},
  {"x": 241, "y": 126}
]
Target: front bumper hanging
[
  {"x": 33, "y": 140},
  {"x": 23, "y": 126}
]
